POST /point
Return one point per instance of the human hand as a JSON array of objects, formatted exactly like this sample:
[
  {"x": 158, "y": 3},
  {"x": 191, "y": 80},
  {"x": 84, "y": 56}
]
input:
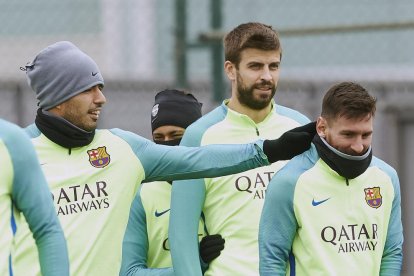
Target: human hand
[
  {"x": 290, "y": 144},
  {"x": 210, "y": 247}
]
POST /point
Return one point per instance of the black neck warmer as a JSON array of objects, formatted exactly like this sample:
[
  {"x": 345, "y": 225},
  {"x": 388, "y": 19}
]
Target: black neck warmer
[
  {"x": 174, "y": 142},
  {"x": 61, "y": 131},
  {"x": 347, "y": 166}
]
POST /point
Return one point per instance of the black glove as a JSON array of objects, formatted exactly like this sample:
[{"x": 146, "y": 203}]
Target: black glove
[
  {"x": 290, "y": 144},
  {"x": 210, "y": 247}
]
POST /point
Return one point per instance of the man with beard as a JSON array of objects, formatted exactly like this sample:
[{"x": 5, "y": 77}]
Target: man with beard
[
  {"x": 94, "y": 174},
  {"x": 232, "y": 205},
  {"x": 335, "y": 209}
]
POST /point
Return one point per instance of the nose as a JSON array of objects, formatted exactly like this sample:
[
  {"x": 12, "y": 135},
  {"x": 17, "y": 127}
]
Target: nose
[
  {"x": 266, "y": 74},
  {"x": 357, "y": 146},
  {"x": 99, "y": 97}
]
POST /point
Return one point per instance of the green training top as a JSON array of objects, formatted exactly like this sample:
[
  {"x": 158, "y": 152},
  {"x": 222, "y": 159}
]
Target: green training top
[
  {"x": 93, "y": 187},
  {"x": 23, "y": 190},
  {"x": 231, "y": 204},
  {"x": 146, "y": 249},
  {"x": 316, "y": 222}
]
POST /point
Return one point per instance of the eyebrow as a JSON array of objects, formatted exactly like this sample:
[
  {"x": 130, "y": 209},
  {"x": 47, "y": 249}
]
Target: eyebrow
[
  {"x": 262, "y": 63},
  {"x": 355, "y": 132},
  {"x": 169, "y": 132}
]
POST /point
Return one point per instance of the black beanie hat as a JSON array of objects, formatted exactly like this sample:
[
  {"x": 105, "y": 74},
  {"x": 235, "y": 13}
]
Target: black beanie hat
[{"x": 176, "y": 108}]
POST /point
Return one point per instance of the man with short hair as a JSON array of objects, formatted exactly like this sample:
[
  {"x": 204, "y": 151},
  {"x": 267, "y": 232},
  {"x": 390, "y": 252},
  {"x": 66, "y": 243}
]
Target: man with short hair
[
  {"x": 232, "y": 204},
  {"x": 94, "y": 174},
  {"x": 336, "y": 208}
]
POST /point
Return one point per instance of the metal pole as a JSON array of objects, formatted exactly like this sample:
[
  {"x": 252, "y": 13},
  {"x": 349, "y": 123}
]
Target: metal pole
[
  {"x": 217, "y": 52},
  {"x": 181, "y": 43}
]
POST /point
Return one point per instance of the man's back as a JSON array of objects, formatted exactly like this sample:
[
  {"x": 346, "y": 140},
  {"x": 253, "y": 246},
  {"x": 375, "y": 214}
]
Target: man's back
[{"x": 24, "y": 192}]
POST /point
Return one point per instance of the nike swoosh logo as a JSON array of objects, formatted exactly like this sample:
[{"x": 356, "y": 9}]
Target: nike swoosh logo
[
  {"x": 316, "y": 203},
  {"x": 94, "y": 74},
  {"x": 160, "y": 213}
]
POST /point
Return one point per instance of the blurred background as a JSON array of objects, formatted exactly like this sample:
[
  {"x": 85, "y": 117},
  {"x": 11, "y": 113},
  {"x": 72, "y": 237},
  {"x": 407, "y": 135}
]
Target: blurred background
[{"x": 144, "y": 46}]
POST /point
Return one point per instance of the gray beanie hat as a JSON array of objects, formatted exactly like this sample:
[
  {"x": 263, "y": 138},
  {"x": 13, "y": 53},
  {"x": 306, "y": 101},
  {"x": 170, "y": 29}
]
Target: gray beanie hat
[{"x": 61, "y": 71}]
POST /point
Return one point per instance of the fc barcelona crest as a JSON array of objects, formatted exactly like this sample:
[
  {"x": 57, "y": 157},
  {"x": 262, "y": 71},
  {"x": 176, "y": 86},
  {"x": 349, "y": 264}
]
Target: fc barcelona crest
[
  {"x": 373, "y": 197},
  {"x": 99, "y": 157}
]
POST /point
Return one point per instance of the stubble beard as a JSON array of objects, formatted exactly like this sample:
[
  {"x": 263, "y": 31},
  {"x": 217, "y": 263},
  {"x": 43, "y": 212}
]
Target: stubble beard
[
  {"x": 246, "y": 97},
  {"x": 77, "y": 120}
]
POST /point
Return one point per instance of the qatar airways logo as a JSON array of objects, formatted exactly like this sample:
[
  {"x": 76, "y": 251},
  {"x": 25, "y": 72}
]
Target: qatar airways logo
[
  {"x": 254, "y": 184},
  {"x": 81, "y": 198},
  {"x": 352, "y": 237}
]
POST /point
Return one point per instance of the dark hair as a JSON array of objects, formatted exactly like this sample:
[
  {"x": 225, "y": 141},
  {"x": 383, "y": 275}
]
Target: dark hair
[
  {"x": 250, "y": 35},
  {"x": 348, "y": 99}
]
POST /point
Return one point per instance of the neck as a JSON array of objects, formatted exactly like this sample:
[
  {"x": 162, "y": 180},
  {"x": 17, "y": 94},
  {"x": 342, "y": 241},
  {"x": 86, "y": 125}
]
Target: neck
[
  {"x": 256, "y": 115},
  {"x": 62, "y": 132},
  {"x": 347, "y": 166}
]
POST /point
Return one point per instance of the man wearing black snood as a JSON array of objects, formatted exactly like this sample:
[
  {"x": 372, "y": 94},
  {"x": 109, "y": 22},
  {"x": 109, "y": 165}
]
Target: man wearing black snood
[
  {"x": 145, "y": 248},
  {"x": 336, "y": 208},
  {"x": 94, "y": 174},
  {"x": 172, "y": 113}
]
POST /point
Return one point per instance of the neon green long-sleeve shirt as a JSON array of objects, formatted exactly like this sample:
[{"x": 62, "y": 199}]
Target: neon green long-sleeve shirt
[
  {"x": 93, "y": 187},
  {"x": 316, "y": 222},
  {"x": 231, "y": 204}
]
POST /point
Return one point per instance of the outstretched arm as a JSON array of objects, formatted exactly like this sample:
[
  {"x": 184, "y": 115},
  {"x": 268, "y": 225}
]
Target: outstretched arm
[{"x": 181, "y": 162}]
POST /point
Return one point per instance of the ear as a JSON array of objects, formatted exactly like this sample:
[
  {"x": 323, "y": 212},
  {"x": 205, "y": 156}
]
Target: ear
[
  {"x": 321, "y": 126},
  {"x": 57, "y": 110},
  {"x": 230, "y": 70}
]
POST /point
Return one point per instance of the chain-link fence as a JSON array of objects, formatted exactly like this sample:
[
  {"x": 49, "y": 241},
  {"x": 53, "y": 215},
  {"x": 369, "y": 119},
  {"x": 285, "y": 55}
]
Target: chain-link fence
[{"x": 145, "y": 46}]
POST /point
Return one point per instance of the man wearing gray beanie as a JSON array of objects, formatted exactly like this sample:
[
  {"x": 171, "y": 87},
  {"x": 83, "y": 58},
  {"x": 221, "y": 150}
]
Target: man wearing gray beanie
[
  {"x": 93, "y": 174},
  {"x": 60, "y": 72},
  {"x": 68, "y": 85}
]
